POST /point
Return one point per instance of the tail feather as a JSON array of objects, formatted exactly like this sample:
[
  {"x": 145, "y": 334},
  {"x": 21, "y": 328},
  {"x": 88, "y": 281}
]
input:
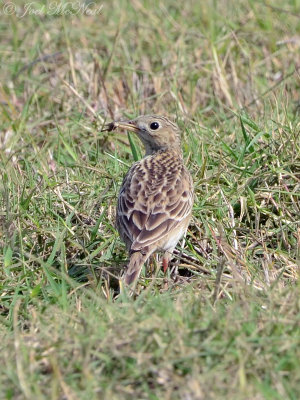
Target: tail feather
[{"x": 137, "y": 259}]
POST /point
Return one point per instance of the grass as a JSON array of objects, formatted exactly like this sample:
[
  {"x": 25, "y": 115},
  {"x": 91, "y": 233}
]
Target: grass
[{"x": 227, "y": 324}]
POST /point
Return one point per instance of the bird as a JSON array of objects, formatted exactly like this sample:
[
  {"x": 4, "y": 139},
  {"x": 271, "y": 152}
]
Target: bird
[{"x": 155, "y": 201}]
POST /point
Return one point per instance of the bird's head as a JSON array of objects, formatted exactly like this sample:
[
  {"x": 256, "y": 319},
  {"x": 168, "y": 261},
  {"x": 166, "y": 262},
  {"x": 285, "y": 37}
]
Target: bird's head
[{"x": 156, "y": 132}]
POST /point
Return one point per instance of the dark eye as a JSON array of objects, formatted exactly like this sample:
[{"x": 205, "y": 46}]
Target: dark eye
[{"x": 154, "y": 125}]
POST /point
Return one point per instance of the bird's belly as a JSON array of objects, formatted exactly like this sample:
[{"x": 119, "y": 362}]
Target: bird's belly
[{"x": 172, "y": 240}]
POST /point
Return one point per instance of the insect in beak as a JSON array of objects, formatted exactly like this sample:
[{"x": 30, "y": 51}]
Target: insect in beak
[{"x": 128, "y": 125}]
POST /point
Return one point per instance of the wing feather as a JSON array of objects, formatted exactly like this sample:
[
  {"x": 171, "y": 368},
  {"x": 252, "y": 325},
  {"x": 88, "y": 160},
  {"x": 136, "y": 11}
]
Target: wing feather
[{"x": 153, "y": 202}]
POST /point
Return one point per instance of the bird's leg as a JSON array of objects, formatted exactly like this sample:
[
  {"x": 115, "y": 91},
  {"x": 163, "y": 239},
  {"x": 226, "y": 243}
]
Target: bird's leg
[
  {"x": 165, "y": 262},
  {"x": 167, "y": 258}
]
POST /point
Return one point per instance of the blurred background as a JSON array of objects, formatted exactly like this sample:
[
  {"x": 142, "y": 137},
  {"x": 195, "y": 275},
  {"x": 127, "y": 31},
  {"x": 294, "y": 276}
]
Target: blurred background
[{"x": 228, "y": 74}]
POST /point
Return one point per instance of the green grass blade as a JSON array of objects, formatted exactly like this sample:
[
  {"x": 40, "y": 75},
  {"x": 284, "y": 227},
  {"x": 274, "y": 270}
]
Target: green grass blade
[{"x": 133, "y": 148}]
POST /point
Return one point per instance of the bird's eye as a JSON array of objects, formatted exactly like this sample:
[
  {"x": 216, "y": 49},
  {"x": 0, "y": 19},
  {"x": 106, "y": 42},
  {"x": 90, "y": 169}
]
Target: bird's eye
[{"x": 154, "y": 125}]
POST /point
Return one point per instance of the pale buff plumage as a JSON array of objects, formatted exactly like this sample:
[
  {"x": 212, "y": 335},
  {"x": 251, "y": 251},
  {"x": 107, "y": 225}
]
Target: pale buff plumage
[{"x": 156, "y": 197}]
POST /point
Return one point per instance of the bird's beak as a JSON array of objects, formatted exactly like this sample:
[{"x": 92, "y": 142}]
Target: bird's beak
[{"x": 128, "y": 125}]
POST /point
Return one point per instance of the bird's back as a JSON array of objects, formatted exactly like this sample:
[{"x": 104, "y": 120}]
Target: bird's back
[{"x": 155, "y": 197}]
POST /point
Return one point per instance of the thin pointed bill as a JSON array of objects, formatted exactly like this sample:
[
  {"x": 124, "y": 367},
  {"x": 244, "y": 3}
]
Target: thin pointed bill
[{"x": 129, "y": 125}]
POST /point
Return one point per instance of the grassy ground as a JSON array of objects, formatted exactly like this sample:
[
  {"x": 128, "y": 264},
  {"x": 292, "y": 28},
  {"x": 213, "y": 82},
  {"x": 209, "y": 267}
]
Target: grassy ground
[{"x": 227, "y": 324}]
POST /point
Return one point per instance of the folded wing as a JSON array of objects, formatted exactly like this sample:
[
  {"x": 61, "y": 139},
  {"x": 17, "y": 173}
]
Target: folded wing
[{"x": 152, "y": 204}]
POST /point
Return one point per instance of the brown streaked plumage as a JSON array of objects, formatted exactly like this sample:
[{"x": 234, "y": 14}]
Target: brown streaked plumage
[{"x": 156, "y": 197}]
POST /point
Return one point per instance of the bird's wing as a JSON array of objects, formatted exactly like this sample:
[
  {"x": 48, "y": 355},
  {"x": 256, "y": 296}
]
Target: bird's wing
[{"x": 152, "y": 202}]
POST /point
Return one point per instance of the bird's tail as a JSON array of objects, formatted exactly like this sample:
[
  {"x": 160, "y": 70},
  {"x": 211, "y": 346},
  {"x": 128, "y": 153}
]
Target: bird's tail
[{"x": 137, "y": 259}]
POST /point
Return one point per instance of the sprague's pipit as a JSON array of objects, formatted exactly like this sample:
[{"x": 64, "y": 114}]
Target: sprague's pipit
[{"x": 156, "y": 197}]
